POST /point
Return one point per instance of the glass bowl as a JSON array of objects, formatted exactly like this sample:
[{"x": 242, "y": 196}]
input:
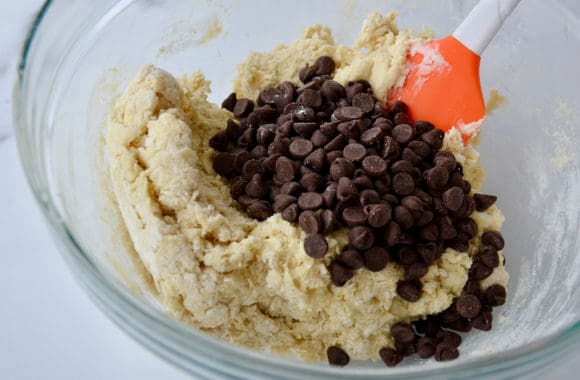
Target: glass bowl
[{"x": 80, "y": 55}]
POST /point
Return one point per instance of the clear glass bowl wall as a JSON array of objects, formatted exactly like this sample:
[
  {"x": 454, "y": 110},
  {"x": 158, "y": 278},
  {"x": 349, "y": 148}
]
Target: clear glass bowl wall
[{"x": 81, "y": 54}]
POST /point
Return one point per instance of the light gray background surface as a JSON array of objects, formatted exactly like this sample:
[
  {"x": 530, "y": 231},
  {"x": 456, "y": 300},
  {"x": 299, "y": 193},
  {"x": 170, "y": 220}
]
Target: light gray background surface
[{"x": 48, "y": 327}]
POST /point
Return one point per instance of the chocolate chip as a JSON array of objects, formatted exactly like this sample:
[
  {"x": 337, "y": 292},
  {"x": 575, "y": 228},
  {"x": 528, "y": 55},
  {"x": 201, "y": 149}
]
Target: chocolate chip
[
  {"x": 425, "y": 218},
  {"x": 300, "y": 148},
  {"x": 330, "y": 128},
  {"x": 315, "y": 246},
  {"x": 354, "y": 88},
  {"x": 251, "y": 168},
  {"x": 453, "y": 198},
  {"x": 467, "y": 226},
  {"x": 403, "y": 184},
  {"x": 245, "y": 201},
  {"x": 479, "y": 271},
  {"x": 391, "y": 148},
  {"x": 449, "y": 164},
  {"x": 336, "y": 143},
  {"x": 383, "y": 186},
  {"x": 223, "y": 164},
  {"x": 305, "y": 129},
  {"x": 337, "y": 356},
  {"x": 416, "y": 271},
  {"x": 421, "y": 127},
  {"x": 448, "y": 337},
  {"x": 403, "y": 332},
  {"x": 309, "y": 222},
  {"x": 409, "y": 290},
  {"x": 403, "y": 217},
  {"x": 325, "y": 65},
  {"x": 407, "y": 255},
  {"x": 403, "y": 133},
  {"x": 310, "y": 98},
  {"x": 234, "y": 130},
  {"x": 483, "y": 201},
  {"x": 494, "y": 295},
  {"x": 310, "y": 201},
  {"x": 401, "y": 118},
  {"x": 311, "y": 182},
  {"x": 361, "y": 237},
  {"x": 260, "y": 210},
  {"x": 290, "y": 214},
  {"x": 346, "y": 190},
  {"x": 285, "y": 127},
  {"x": 378, "y": 214},
  {"x": 316, "y": 160},
  {"x": 472, "y": 287},
  {"x": 425, "y": 347},
  {"x": 329, "y": 221},
  {"x": 461, "y": 325},
  {"x": 279, "y": 145},
  {"x": 428, "y": 252},
  {"x": 364, "y": 101},
  {"x": 319, "y": 138},
  {"x": 262, "y": 115},
  {"x": 354, "y": 216},
  {"x": 285, "y": 169},
  {"x": 347, "y": 113},
  {"x": 219, "y": 141},
  {"x": 354, "y": 152},
  {"x": 351, "y": 258},
  {"x": 230, "y": 102},
  {"x": 483, "y": 321},
  {"x": 436, "y": 177},
  {"x": 341, "y": 168},
  {"x": 292, "y": 188},
  {"x": 445, "y": 352},
  {"x": 258, "y": 152},
  {"x": 332, "y": 90},
  {"x": 488, "y": 255},
  {"x": 374, "y": 165},
  {"x": 270, "y": 95},
  {"x": 434, "y": 138},
  {"x": 247, "y": 139},
  {"x": 255, "y": 187},
  {"x": 238, "y": 187},
  {"x": 449, "y": 315},
  {"x": 307, "y": 73},
  {"x": 493, "y": 238},
  {"x": 243, "y": 107},
  {"x": 406, "y": 349},
  {"x": 300, "y": 113},
  {"x": 446, "y": 230},
  {"x": 339, "y": 273},
  {"x": 282, "y": 201},
  {"x": 375, "y": 258},
  {"x": 265, "y": 134},
  {"x": 369, "y": 197},
  {"x": 401, "y": 166},
  {"x": 390, "y": 357},
  {"x": 392, "y": 234},
  {"x": 350, "y": 129},
  {"x": 468, "y": 306}
]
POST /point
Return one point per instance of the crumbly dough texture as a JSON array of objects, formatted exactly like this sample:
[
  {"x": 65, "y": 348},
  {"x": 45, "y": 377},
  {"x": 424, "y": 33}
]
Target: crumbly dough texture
[{"x": 250, "y": 282}]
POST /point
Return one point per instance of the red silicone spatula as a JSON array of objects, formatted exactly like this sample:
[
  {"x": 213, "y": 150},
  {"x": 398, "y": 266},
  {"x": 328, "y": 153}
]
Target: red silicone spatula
[{"x": 443, "y": 84}]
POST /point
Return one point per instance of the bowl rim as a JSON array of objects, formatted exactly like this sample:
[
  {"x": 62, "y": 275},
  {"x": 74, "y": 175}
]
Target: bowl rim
[{"x": 108, "y": 292}]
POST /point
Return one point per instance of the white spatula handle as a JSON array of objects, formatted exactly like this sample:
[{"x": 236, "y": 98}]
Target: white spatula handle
[{"x": 483, "y": 23}]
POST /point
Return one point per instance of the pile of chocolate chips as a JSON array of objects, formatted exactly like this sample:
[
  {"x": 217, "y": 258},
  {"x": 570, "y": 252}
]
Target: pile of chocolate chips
[{"x": 326, "y": 155}]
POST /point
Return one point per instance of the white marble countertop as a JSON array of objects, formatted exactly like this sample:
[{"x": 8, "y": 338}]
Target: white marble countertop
[{"x": 48, "y": 327}]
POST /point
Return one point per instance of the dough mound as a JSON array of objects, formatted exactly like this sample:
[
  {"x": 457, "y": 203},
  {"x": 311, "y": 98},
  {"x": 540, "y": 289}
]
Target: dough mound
[{"x": 247, "y": 282}]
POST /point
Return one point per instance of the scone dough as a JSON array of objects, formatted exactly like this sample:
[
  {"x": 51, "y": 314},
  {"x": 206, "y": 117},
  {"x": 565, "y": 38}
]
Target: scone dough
[{"x": 250, "y": 282}]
